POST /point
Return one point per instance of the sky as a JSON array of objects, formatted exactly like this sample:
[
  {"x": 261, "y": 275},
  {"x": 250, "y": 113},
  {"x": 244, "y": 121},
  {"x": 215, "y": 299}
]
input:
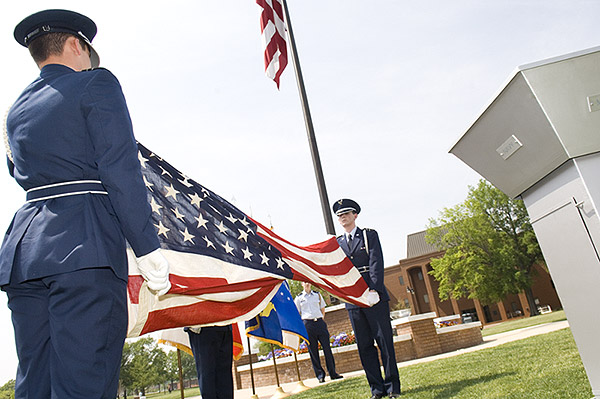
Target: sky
[{"x": 392, "y": 85}]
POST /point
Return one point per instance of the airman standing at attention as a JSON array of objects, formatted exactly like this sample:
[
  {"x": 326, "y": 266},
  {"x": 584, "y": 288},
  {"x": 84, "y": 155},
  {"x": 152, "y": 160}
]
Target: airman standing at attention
[{"x": 370, "y": 324}]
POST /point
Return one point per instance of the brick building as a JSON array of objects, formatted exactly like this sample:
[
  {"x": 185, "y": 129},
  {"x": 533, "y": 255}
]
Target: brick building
[{"x": 410, "y": 284}]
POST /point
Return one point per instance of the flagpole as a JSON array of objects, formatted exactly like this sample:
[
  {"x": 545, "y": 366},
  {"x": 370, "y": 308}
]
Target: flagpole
[
  {"x": 279, "y": 393},
  {"x": 300, "y": 387},
  {"x": 312, "y": 141},
  {"x": 251, "y": 371}
]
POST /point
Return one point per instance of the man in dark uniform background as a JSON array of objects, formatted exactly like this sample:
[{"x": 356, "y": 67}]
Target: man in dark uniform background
[
  {"x": 311, "y": 307},
  {"x": 370, "y": 324},
  {"x": 212, "y": 347},
  {"x": 63, "y": 261}
]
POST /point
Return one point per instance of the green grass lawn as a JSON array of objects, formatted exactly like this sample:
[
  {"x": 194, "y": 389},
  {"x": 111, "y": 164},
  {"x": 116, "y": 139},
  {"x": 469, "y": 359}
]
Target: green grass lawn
[
  {"x": 546, "y": 366},
  {"x": 524, "y": 322},
  {"x": 541, "y": 367},
  {"x": 188, "y": 393}
]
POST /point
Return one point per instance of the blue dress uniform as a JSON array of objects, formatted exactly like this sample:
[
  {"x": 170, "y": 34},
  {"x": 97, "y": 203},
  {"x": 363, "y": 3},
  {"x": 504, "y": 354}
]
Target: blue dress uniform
[
  {"x": 63, "y": 260},
  {"x": 213, "y": 352},
  {"x": 372, "y": 324}
]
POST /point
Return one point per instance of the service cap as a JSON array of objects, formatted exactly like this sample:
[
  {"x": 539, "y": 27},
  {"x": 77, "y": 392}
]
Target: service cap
[
  {"x": 345, "y": 205},
  {"x": 51, "y": 21}
]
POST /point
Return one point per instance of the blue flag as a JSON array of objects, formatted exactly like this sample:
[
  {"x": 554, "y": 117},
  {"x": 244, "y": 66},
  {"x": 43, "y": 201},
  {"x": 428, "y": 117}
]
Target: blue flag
[{"x": 279, "y": 323}]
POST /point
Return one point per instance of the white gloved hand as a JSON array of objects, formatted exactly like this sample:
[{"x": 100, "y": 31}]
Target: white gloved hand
[
  {"x": 154, "y": 267},
  {"x": 372, "y": 297}
]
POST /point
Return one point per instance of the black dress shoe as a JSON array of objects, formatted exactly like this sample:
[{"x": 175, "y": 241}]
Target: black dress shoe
[
  {"x": 394, "y": 395},
  {"x": 377, "y": 396},
  {"x": 322, "y": 379},
  {"x": 336, "y": 377}
]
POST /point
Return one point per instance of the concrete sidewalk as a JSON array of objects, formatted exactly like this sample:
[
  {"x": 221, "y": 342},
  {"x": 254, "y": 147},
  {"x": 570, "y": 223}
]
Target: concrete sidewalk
[{"x": 488, "y": 342}]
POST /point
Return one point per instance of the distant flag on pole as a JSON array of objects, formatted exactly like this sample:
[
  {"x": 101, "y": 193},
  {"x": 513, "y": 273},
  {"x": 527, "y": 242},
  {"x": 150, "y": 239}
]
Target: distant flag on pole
[
  {"x": 279, "y": 323},
  {"x": 272, "y": 26},
  {"x": 225, "y": 266}
]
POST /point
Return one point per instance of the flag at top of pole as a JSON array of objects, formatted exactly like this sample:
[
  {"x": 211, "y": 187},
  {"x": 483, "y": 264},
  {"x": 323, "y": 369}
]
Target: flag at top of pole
[{"x": 272, "y": 26}]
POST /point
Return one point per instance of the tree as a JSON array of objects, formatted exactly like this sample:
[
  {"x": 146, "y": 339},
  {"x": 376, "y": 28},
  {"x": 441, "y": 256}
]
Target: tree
[
  {"x": 490, "y": 247},
  {"x": 143, "y": 364},
  {"x": 7, "y": 391}
]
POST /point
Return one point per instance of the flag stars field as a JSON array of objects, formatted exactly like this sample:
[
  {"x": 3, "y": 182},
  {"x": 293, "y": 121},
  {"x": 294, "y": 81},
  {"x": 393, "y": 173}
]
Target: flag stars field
[
  {"x": 201, "y": 221},
  {"x": 178, "y": 214},
  {"x": 247, "y": 253},
  {"x": 209, "y": 243},
  {"x": 171, "y": 192},
  {"x": 187, "y": 236},
  {"x": 185, "y": 181},
  {"x": 162, "y": 229},
  {"x": 156, "y": 207},
  {"x": 243, "y": 236},
  {"x": 196, "y": 200},
  {"x": 142, "y": 160}
]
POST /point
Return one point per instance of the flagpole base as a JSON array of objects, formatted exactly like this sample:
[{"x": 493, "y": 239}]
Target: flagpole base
[
  {"x": 300, "y": 387},
  {"x": 280, "y": 393}
]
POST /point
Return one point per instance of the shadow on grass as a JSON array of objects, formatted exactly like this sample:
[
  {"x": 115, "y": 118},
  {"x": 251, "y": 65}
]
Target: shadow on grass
[{"x": 443, "y": 391}]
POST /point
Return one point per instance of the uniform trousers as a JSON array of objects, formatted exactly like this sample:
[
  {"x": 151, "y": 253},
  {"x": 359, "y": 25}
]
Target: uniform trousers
[
  {"x": 213, "y": 353},
  {"x": 69, "y": 333},
  {"x": 372, "y": 325},
  {"x": 317, "y": 332}
]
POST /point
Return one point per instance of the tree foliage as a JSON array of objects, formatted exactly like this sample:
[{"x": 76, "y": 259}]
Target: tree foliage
[
  {"x": 490, "y": 247},
  {"x": 143, "y": 364},
  {"x": 7, "y": 391}
]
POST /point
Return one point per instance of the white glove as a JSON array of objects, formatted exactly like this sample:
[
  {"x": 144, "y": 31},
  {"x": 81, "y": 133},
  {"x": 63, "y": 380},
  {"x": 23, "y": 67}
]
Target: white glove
[
  {"x": 372, "y": 297},
  {"x": 154, "y": 267}
]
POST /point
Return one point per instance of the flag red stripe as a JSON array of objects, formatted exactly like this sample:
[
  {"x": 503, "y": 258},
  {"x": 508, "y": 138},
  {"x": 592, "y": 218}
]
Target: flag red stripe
[
  {"x": 276, "y": 41},
  {"x": 205, "y": 312},
  {"x": 337, "y": 269}
]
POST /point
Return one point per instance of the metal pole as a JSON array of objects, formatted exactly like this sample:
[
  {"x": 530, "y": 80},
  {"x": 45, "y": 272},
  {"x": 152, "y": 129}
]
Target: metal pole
[
  {"x": 297, "y": 368},
  {"x": 275, "y": 365},
  {"x": 251, "y": 371},
  {"x": 180, "y": 373},
  {"x": 312, "y": 141}
]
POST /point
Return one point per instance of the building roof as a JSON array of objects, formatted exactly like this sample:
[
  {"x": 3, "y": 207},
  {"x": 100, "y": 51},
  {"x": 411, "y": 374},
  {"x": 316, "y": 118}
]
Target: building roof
[{"x": 417, "y": 246}]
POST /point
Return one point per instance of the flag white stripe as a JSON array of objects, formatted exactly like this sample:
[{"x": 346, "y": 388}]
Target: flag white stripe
[{"x": 195, "y": 265}]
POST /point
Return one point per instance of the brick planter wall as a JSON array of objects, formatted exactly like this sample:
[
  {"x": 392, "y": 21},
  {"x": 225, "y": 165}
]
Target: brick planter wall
[
  {"x": 346, "y": 359},
  {"x": 416, "y": 336},
  {"x": 337, "y": 319},
  {"x": 460, "y": 336}
]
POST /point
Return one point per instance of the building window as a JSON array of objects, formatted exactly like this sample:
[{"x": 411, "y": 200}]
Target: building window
[
  {"x": 426, "y": 298},
  {"x": 401, "y": 279},
  {"x": 406, "y": 303},
  {"x": 420, "y": 275}
]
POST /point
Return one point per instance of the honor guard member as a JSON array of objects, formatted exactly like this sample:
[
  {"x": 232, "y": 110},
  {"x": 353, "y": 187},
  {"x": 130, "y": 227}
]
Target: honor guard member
[
  {"x": 212, "y": 347},
  {"x": 311, "y": 307},
  {"x": 370, "y": 324},
  {"x": 63, "y": 261}
]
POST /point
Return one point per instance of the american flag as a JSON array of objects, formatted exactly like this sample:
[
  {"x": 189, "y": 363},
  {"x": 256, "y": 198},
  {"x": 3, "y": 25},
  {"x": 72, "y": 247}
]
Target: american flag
[
  {"x": 225, "y": 266},
  {"x": 272, "y": 26}
]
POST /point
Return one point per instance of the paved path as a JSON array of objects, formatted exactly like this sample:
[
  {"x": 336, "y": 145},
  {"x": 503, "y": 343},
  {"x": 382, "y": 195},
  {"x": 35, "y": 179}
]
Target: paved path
[{"x": 488, "y": 342}]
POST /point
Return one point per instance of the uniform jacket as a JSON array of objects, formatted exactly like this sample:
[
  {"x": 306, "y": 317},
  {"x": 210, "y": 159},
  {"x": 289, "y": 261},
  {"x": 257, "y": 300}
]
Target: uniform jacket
[
  {"x": 359, "y": 256},
  {"x": 69, "y": 126}
]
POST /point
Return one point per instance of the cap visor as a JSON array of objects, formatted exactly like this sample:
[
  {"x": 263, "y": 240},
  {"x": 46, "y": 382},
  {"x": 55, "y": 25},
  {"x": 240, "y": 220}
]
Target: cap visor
[{"x": 94, "y": 58}]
